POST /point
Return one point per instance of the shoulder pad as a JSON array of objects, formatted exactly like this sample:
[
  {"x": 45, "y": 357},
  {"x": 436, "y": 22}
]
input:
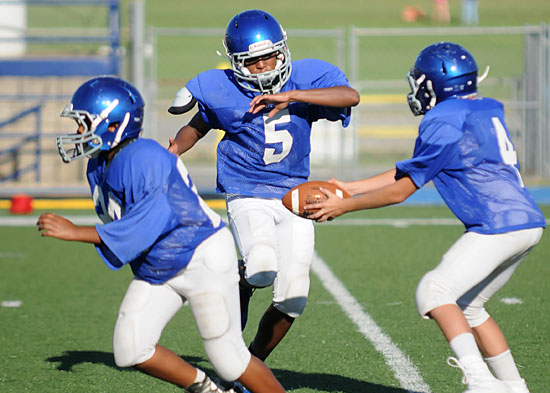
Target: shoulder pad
[{"x": 183, "y": 102}]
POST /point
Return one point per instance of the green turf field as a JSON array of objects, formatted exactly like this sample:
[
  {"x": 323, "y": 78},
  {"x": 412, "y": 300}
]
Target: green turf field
[{"x": 59, "y": 339}]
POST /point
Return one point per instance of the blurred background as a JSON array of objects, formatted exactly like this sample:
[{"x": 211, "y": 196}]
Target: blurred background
[{"x": 49, "y": 47}]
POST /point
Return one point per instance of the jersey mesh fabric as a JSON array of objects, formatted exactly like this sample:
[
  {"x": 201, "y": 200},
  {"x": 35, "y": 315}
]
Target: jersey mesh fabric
[
  {"x": 153, "y": 217},
  {"x": 465, "y": 148},
  {"x": 251, "y": 156}
]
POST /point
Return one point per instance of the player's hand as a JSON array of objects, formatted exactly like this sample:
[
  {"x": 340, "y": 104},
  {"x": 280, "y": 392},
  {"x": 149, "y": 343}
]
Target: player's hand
[
  {"x": 327, "y": 209},
  {"x": 343, "y": 185},
  {"x": 279, "y": 102},
  {"x": 56, "y": 226},
  {"x": 172, "y": 146}
]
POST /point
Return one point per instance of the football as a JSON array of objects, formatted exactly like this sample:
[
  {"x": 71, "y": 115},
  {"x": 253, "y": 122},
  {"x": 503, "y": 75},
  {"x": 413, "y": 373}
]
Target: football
[{"x": 308, "y": 193}]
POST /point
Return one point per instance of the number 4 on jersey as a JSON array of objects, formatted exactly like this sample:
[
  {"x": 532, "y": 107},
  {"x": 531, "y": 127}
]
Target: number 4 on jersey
[{"x": 506, "y": 148}]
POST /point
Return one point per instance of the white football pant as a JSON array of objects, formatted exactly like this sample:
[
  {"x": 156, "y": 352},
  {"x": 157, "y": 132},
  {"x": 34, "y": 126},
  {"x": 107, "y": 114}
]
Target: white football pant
[
  {"x": 210, "y": 283},
  {"x": 473, "y": 270},
  {"x": 277, "y": 248}
]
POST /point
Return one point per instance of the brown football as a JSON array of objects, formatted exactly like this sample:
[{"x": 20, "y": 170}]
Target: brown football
[{"x": 308, "y": 193}]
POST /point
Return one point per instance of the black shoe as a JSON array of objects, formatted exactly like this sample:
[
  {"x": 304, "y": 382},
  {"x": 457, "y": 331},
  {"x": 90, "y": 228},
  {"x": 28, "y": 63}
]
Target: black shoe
[
  {"x": 235, "y": 386},
  {"x": 207, "y": 386}
]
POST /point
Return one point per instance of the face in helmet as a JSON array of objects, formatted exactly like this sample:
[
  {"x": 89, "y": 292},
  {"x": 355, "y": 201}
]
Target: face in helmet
[
  {"x": 108, "y": 111},
  {"x": 443, "y": 70},
  {"x": 256, "y": 35}
]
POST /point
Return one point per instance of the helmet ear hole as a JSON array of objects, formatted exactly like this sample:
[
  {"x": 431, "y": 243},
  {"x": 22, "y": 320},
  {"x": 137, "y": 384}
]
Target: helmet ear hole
[
  {"x": 443, "y": 68},
  {"x": 113, "y": 126}
]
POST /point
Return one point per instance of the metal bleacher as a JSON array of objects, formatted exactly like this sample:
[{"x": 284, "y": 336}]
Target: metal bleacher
[{"x": 35, "y": 86}]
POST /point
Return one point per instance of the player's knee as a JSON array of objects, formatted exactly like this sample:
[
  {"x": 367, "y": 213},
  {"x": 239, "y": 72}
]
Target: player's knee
[
  {"x": 475, "y": 315},
  {"x": 127, "y": 349},
  {"x": 211, "y": 314},
  {"x": 228, "y": 356},
  {"x": 224, "y": 345},
  {"x": 261, "y": 265},
  {"x": 295, "y": 298},
  {"x": 432, "y": 292}
]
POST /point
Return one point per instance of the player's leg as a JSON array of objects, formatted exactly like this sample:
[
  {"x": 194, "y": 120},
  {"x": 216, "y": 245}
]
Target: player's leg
[
  {"x": 470, "y": 260},
  {"x": 258, "y": 378},
  {"x": 252, "y": 224},
  {"x": 210, "y": 283},
  {"x": 474, "y": 264},
  {"x": 245, "y": 294},
  {"x": 295, "y": 237},
  {"x": 273, "y": 326},
  {"x": 168, "y": 366},
  {"x": 487, "y": 333},
  {"x": 144, "y": 312}
]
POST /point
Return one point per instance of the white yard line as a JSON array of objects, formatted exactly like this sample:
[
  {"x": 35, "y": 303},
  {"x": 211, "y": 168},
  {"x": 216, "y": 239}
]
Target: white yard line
[
  {"x": 23, "y": 221},
  {"x": 395, "y": 222},
  {"x": 29, "y": 221},
  {"x": 405, "y": 372}
]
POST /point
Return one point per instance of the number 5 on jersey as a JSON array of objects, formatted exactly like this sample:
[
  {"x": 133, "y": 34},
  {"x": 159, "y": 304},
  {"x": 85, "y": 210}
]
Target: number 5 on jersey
[{"x": 277, "y": 136}]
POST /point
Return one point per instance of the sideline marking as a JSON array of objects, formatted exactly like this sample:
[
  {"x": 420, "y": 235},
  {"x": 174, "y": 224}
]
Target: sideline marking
[
  {"x": 511, "y": 300},
  {"x": 405, "y": 372},
  {"x": 11, "y": 254},
  {"x": 12, "y": 303}
]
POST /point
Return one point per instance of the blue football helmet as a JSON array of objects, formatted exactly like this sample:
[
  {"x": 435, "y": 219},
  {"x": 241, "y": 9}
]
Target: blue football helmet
[
  {"x": 255, "y": 33},
  {"x": 97, "y": 104},
  {"x": 441, "y": 71}
]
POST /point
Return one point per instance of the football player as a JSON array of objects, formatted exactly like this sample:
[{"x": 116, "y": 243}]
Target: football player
[
  {"x": 178, "y": 248},
  {"x": 464, "y": 147},
  {"x": 266, "y": 105}
]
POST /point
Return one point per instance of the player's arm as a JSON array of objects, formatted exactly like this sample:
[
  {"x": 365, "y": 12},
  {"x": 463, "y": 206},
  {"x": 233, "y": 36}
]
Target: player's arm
[
  {"x": 59, "y": 227},
  {"x": 188, "y": 135},
  {"x": 391, "y": 194},
  {"x": 336, "y": 96},
  {"x": 365, "y": 185}
]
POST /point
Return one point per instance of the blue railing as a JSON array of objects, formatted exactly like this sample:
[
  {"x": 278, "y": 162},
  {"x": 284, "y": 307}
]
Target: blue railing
[
  {"x": 12, "y": 154},
  {"x": 20, "y": 150},
  {"x": 66, "y": 66}
]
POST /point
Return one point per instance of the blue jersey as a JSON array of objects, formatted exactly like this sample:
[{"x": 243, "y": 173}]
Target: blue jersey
[
  {"x": 153, "y": 218},
  {"x": 259, "y": 156},
  {"x": 464, "y": 147}
]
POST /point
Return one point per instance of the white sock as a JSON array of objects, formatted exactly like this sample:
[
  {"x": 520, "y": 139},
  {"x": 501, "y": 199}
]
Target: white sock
[
  {"x": 464, "y": 345},
  {"x": 200, "y": 376},
  {"x": 504, "y": 366}
]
